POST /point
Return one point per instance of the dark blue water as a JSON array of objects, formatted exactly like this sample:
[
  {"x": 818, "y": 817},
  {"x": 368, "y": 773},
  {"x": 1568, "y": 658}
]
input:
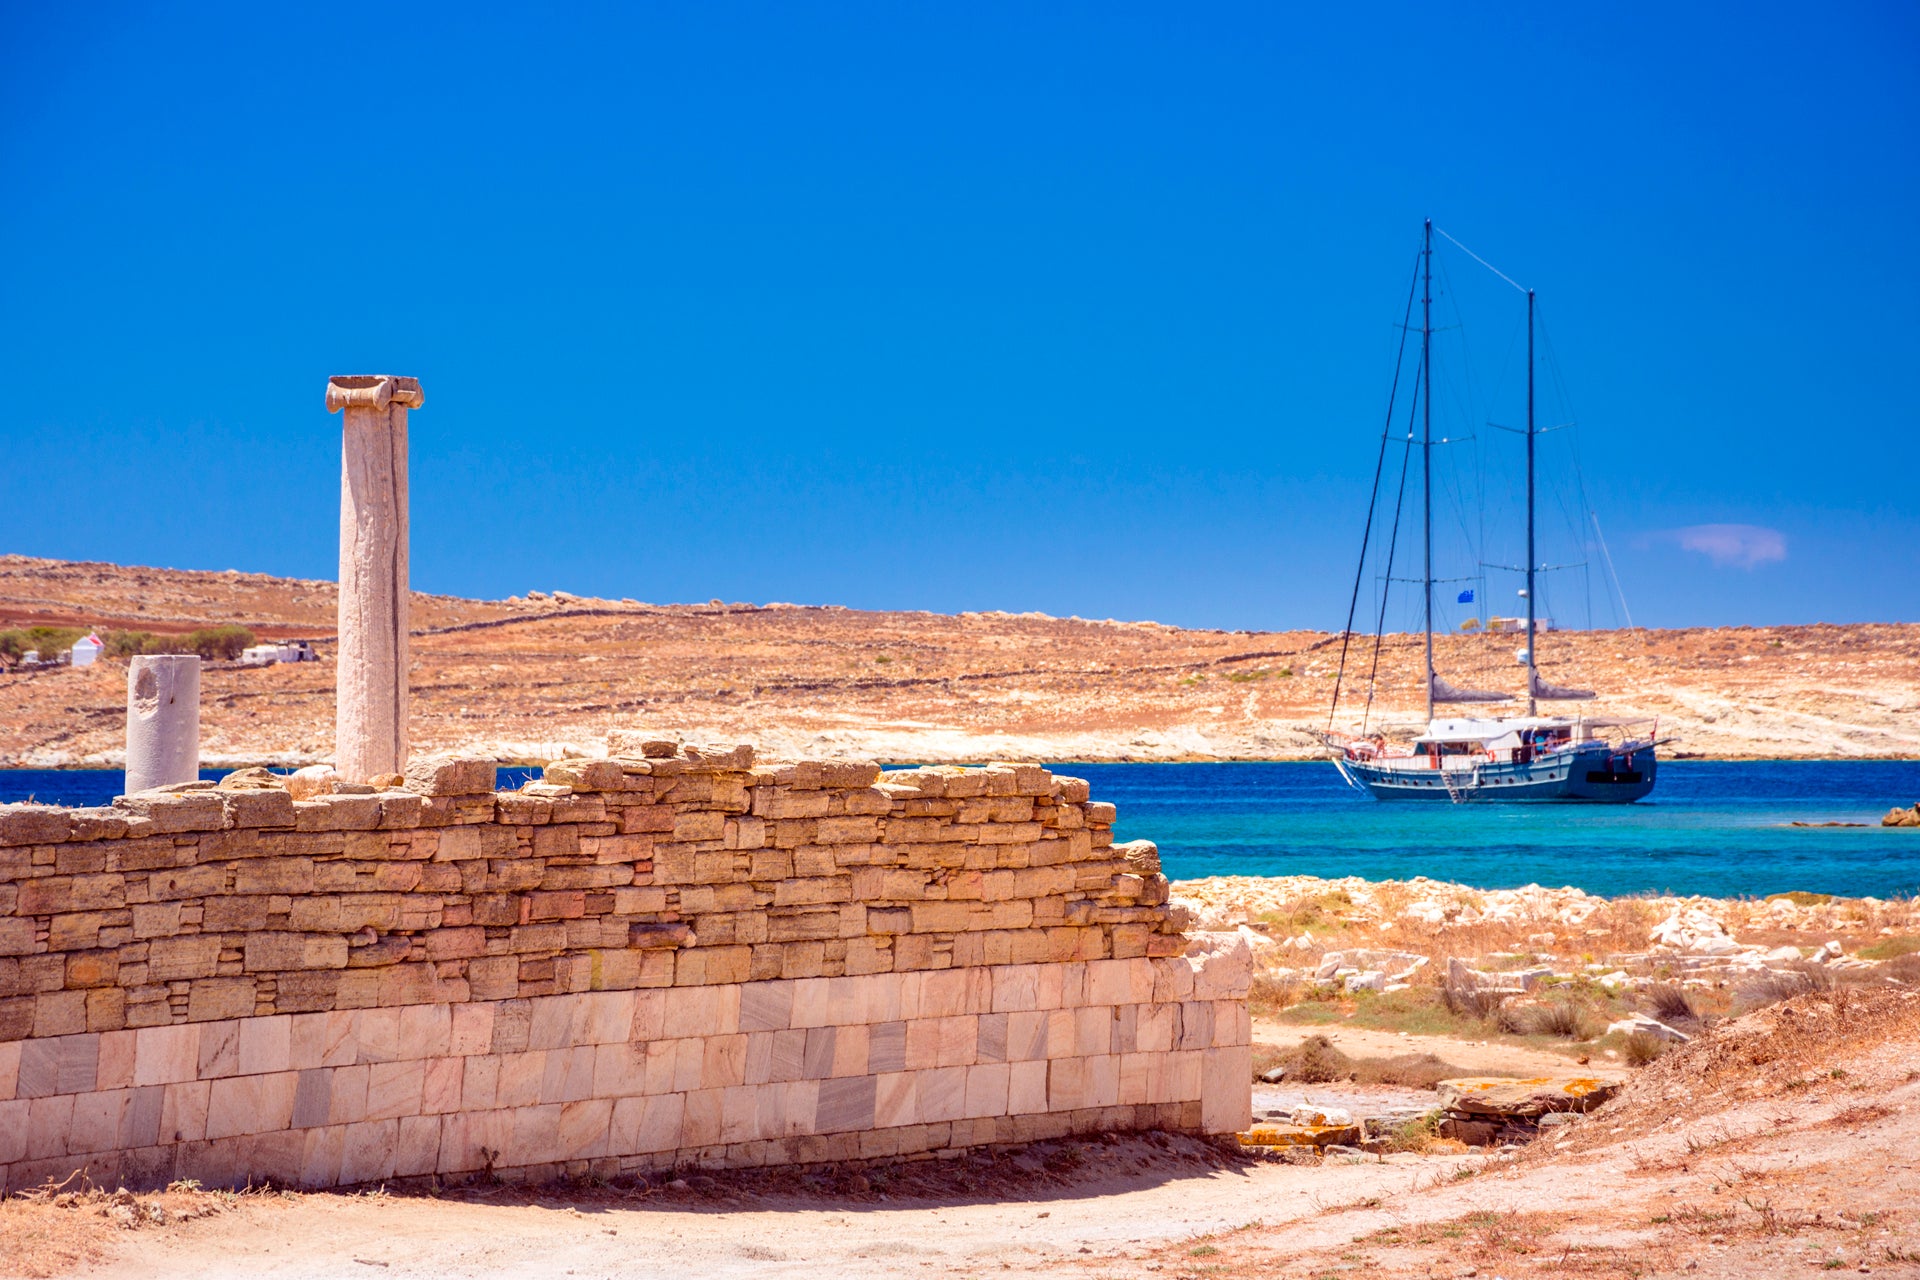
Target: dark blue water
[
  {"x": 100, "y": 786},
  {"x": 1710, "y": 827}
]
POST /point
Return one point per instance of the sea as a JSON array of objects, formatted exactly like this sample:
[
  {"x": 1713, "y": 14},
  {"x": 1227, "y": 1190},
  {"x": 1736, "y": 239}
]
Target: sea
[{"x": 1716, "y": 828}]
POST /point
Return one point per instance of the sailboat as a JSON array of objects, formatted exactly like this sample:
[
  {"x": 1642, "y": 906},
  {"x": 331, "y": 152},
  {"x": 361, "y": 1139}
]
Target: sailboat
[{"x": 1534, "y": 757}]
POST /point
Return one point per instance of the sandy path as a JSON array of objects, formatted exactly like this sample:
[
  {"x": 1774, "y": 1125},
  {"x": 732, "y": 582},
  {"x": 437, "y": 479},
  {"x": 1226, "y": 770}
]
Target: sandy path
[
  {"x": 1809, "y": 1164},
  {"x": 1115, "y": 1215},
  {"x": 1472, "y": 1055}
]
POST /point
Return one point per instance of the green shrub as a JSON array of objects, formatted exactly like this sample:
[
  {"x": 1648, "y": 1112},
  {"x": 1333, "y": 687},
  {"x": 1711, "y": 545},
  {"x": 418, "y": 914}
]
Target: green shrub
[
  {"x": 48, "y": 641},
  {"x": 128, "y": 644},
  {"x": 211, "y": 643}
]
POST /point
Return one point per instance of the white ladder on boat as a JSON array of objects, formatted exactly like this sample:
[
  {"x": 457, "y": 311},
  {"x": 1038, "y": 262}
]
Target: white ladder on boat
[{"x": 1458, "y": 781}]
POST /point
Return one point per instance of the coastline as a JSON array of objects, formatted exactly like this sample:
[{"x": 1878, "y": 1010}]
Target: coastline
[{"x": 508, "y": 759}]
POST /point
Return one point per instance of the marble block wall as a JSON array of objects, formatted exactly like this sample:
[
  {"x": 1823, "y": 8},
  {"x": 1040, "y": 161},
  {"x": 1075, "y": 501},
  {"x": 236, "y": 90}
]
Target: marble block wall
[{"x": 666, "y": 957}]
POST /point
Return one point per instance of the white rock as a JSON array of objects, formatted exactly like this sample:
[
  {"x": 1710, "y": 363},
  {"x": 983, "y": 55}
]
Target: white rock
[
  {"x": 1370, "y": 980},
  {"x": 1320, "y": 1116},
  {"x": 1692, "y": 931},
  {"x": 1222, "y": 965},
  {"x": 314, "y": 780},
  {"x": 1779, "y": 954},
  {"x": 1258, "y": 943},
  {"x": 1640, "y": 1023}
]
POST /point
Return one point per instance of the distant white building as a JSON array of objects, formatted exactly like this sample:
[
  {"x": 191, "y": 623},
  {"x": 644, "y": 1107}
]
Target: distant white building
[
  {"x": 85, "y": 650},
  {"x": 265, "y": 655}
]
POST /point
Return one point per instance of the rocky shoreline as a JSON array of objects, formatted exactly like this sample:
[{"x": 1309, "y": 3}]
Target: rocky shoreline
[{"x": 1484, "y": 946}]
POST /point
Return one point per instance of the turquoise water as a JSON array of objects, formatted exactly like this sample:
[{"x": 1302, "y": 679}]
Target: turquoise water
[{"x": 1709, "y": 827}]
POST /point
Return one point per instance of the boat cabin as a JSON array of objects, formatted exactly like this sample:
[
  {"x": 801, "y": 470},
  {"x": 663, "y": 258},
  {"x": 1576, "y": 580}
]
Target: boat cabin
[{"x": 1515, "y": 740}]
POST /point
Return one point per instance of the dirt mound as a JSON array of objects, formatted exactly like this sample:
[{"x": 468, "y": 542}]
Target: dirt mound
[{"x": 1771, "y": 1052}]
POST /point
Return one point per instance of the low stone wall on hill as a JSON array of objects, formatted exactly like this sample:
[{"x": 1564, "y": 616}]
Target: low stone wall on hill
[{"x": 668, "y": 957}]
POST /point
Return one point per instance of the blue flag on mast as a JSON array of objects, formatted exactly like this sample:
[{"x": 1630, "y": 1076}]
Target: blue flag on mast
[{"x": 1466, "y": 597}]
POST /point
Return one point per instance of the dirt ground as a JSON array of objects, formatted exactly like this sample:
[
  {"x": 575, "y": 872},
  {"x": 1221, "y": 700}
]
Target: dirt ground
[
  {"x": 1787, "y": 1141},
  {"x": 1472, "y": 1056},
  {"x": 531, "y": 678}
]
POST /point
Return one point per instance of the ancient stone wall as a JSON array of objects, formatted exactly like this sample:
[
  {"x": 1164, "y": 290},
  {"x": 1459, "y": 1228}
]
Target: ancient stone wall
[{"x": 664, "y": 957}]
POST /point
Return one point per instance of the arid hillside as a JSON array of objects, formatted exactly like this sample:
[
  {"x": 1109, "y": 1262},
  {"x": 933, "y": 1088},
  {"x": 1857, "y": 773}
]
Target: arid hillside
[{"x": 532, "y": 678}]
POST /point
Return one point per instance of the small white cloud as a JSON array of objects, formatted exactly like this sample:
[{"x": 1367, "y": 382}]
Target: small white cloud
[{"x": 1738, "y": 546}]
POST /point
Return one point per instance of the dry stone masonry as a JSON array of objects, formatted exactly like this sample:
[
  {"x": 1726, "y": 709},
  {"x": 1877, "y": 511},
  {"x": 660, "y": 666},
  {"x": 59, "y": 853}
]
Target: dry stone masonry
[{"x": 668, "y": 956}]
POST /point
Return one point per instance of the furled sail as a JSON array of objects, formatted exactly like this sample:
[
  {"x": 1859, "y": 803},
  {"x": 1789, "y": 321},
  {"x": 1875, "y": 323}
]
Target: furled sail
[
  {"x": 1538, "y": 688},
  {"x": 1444, "y": 692}
]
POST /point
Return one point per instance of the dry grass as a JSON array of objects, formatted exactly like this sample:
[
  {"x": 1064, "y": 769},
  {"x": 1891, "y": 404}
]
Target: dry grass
[
  {"x": 1775, "y": 986},
  {"x": 1316, "y": 1060},
  {"x": 1643, "y": 1047},
  {"x": 1893, "y": 948},
  {"x": 1270, "y": 992},
  {"x": 1565, "y": 1019},
  {"x": 1671, "y": 1004},
  {"x": 1467, "y": 1000},
  {"x": 53, "y": 1229},
  {"x": 1772, "y": 1051}
]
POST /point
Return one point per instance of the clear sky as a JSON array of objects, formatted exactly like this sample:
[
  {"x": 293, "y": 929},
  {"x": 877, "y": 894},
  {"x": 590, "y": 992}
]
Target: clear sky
[{"x": 1081, "y": 308}]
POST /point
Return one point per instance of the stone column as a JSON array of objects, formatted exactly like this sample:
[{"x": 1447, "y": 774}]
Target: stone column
[
  {"x": 163, "y": 721},
  {"x": 370, "y": 683}
]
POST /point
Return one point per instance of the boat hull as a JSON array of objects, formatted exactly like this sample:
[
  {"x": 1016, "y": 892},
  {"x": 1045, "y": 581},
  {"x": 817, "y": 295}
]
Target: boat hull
[{"x": 1595, "y": 776}]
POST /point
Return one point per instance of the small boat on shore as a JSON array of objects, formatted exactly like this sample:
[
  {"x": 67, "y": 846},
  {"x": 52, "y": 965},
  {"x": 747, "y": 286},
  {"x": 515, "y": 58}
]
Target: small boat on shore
[{"x": 1531, "y": 757}]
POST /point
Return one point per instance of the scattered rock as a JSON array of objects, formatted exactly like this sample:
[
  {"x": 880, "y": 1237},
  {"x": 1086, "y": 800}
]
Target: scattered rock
[
  {"x": 1488, "y": 1111},
  {"x": 314, "y": 780},
  {"x": 1694, "y": 932},
  {"x": 1641, "y": 1024},
  {"x": 1902, "y": 817},
  {"x": 255, "y": 779},
  {"x": 1321, "y": 1117},
  {"x": 1301, "y": 1135}
]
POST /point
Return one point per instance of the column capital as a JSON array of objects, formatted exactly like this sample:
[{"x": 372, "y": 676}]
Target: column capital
[{"x": 373, "y": 391}]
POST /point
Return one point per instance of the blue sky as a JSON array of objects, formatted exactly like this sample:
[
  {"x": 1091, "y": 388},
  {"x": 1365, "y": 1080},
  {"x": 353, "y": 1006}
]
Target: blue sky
[{"x": 1086, "y": 309}]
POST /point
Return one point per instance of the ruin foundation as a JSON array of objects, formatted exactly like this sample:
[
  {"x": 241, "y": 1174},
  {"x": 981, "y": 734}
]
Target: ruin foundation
[{"x": 642, "y": 962}]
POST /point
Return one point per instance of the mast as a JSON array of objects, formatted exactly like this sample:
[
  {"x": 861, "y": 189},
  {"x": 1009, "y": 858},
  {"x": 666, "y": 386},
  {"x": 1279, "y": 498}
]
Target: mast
[
  {"x": 1426, "y": 448},
  {"x": 1532, "y": 705}
]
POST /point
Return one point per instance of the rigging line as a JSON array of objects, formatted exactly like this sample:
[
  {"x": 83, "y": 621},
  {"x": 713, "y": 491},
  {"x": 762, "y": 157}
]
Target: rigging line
[
  {"x": 1379, "y": 466},
  {"x": 1580, "y": 473},
  {"x": 1482, "y": 261},
  {"x": 1393, "y": 544},
  {"x": 1465, "y": 395},
  {"x": 1610, "y": 569}
]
